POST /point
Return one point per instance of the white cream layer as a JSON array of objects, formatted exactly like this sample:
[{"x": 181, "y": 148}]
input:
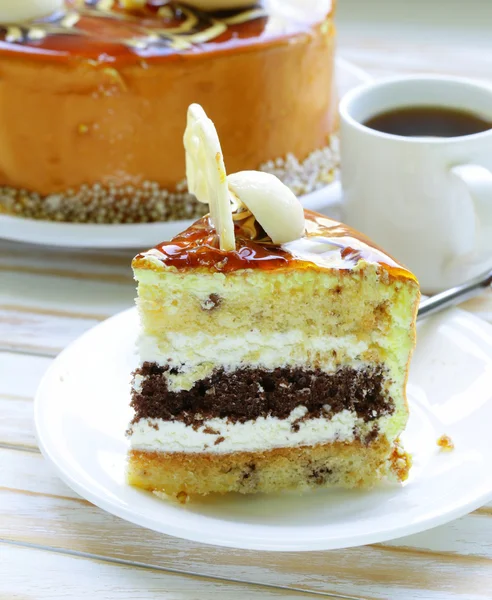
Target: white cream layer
[
  {"x": 156, "y": 435},
  {"x": 196, "y": 356}
]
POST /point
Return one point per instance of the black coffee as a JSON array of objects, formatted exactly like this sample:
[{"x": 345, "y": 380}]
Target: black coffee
[{"x": 428, "y": 121}]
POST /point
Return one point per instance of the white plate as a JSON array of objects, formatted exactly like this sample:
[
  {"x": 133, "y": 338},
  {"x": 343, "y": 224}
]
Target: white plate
[
  {"x": 81, "y": 413},
  {"x": 79, "y": 235}
]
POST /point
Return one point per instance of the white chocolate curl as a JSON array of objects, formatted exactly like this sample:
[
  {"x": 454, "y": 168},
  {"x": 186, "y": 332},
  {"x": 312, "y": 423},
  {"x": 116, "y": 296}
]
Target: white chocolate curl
[
  {"x": 15, "y": 11},
  {"x": 206, "y": 174},
  {"x": 273, "y": 204}
]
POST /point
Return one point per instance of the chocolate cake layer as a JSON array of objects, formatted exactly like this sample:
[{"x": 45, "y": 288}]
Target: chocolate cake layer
[{"x": 247, "y": 394}]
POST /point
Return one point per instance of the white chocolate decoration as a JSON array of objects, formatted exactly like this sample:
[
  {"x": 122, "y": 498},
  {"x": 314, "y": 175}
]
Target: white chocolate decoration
[
  {"x": 220, "y": 4},
  {"x": 15, "y": 11},
  {"x": 274, "y": 205},
  {"x": 206, "y": 174}
]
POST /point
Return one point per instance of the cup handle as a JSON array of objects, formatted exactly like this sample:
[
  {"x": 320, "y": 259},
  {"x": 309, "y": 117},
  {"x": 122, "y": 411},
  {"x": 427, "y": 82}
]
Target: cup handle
[{"x": 478, "y": 181}]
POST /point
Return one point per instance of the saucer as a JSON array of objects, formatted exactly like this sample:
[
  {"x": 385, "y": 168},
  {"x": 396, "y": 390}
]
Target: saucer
[{"x": 82, "y": 411}]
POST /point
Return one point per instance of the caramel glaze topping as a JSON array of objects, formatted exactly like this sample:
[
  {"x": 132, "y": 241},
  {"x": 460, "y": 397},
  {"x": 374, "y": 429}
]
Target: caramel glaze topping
[
  {"x": 327, "y": 244},
  {"x": 102, "y": 31}
]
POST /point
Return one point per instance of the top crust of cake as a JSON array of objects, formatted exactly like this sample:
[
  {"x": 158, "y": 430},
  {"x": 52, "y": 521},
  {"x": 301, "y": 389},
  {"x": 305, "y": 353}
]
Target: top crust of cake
[
  {"x": 326, "y": 245},
  {"x": 101, "y": 30}
]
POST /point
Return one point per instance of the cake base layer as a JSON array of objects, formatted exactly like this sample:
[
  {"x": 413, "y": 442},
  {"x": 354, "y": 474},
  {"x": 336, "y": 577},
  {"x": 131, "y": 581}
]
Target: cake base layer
[{"x": 353, "y": 465}]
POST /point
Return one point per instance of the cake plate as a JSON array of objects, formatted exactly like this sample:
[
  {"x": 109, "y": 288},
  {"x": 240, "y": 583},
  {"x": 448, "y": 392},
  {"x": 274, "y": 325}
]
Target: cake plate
[
  {"x": 87, "y": 235},
  {"x": 82, "y": 411}
]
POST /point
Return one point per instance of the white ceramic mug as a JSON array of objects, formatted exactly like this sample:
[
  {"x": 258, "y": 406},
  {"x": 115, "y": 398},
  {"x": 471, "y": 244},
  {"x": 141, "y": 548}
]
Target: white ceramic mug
[{"x": 427, "y": 201}]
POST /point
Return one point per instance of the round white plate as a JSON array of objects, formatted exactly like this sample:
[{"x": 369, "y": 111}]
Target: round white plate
[
  {"x": 88, "y": 235},
  {"x": 81, "y": 414}
]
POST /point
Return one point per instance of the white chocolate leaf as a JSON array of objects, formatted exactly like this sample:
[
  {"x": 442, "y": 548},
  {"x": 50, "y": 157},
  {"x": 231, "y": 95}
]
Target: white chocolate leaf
[
  {"x": 206, "y": 174},
  {"x": 15, "y": 11},
  {"x": 273, "y": 204}
]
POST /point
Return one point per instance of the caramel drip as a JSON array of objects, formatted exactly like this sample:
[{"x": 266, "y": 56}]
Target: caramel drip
[
  {"x": 101, "y": 26},
  {"x": 326, "y": 244}
]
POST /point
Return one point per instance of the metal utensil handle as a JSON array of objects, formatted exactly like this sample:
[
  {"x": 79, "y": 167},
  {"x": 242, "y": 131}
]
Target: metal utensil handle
[{"x": 454, "y": 295}]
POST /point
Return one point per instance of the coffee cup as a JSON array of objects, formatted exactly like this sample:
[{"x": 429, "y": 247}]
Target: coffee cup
[{"x": 425, "y": 199}]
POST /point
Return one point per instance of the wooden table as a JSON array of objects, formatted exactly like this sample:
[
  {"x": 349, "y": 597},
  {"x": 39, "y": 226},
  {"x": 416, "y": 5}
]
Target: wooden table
[{"x": 57, "y": 545}]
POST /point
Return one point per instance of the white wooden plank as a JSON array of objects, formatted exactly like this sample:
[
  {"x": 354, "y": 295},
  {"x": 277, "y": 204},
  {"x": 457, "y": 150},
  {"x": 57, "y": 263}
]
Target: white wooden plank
[
  {"x": 27, "y": 573},
  {"x": 468, "y": 536},
  {"x": 40, "y": 333},
  {"x": 19, "y": 378},
  {"x": 49, "y": 297},
  {"x": 31, "y": 473},
  {"x": 43, "y": 312},
  {"x": 449, "y": 562},
  {"x": 50, "y": 292},
  {"x": 20, "y": 374},
  {"x": 377, "y": 572},
  {"x": 67, "y": 262},
  {"x": 16, "y": 422}
]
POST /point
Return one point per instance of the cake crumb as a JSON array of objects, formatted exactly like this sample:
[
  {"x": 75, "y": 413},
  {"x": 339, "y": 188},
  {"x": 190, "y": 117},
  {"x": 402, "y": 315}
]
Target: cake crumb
[
  {"x": 213, "y": 301},
  {"x": 210, "y": 431},
  {"x": 445, "y": 443},
  {"x": 181, "y": 497},
  {"x": 400, "y": 462}
]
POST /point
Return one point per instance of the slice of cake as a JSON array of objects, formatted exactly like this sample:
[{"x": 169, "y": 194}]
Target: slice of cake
[{"x": 275, "y": 345}]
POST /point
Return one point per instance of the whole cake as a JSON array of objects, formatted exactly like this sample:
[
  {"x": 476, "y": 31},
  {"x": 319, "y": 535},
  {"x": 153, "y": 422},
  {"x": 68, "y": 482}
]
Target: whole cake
[
  {"x": 94, "y": 100},
  {"x": 275, "y": 345}
]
